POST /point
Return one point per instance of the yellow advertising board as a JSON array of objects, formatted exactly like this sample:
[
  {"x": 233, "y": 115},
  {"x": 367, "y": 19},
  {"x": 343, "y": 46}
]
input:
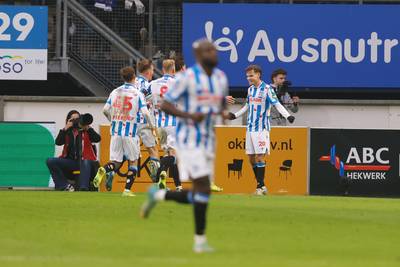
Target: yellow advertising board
[
  {"x": 286, "y": 171},
  {"x": 143, "y": 180},
  {"x": 287, "y": 164}
]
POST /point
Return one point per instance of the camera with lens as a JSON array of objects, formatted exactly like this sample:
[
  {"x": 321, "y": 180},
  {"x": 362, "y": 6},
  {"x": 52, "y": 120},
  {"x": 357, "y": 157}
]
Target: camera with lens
[
  {"x": 283, "y": 88},
  {"x": 84, "y": 120}
]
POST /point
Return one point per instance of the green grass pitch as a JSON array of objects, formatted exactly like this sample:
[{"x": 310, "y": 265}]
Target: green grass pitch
[{"x": 103, "y": 229}]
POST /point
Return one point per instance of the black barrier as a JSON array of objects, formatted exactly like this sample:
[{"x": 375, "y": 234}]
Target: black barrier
[{"x": 355, "y": 162}]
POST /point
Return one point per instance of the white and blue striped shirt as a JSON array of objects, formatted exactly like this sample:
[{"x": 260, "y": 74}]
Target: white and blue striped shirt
[
  {"x": 259, "y": 102},
  {"x": 158, "y": 89},
  {"x": 194, "y": 91},
  {"x": 125, "y": 104}
]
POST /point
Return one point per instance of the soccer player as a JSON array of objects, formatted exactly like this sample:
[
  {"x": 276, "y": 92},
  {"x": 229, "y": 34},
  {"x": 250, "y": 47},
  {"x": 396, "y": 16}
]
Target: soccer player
[
  {"x": 180, "y": 66},
  {"x": 200, "y": 94},
  {"x": 260, "y": 98},
  {"x": 166, "y": 125},
  {"x": 146, "y": 71},
  {"x": 121, "y": 109}
]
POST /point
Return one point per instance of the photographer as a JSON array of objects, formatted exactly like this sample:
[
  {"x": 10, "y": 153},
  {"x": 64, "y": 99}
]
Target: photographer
[
  {"x": 281, "y": 87},
  {"x": 78, "y": 152}
]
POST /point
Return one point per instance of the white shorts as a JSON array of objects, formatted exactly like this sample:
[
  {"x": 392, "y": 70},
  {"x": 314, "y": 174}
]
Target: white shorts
[
  {"x": 194, "y": 163},
  {"x": 127, "y": 146},
  {"x": 167, "y": 137},
  {"x": 144, "y": 132},
  {"x": 257, "y": 142}
]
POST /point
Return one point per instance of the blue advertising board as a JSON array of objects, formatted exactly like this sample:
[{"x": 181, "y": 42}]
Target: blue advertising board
[
  {"x": 345, "y": 46},
  {"x": 23, "y": 42}
]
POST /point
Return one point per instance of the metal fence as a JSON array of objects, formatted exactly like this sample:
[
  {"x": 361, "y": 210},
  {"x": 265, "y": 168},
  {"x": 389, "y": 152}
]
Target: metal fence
[{"x": 93, "y": 52}]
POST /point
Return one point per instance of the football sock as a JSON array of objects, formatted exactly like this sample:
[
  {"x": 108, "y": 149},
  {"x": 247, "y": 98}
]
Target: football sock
[
  {"x": 165, "y": 163},
  {"x": 130, "y": 178},
  {"x": 260, "y": 173},
  {"x": 200, "y": 204},
  {"x": 109, "y": 167},
  {"x": 184, "y": 197},
  {"x": 175, "y": 175}
]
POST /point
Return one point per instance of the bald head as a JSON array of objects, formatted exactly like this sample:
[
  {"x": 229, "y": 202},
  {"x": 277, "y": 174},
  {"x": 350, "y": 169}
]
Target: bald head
[{"x": 205, "y": 53}]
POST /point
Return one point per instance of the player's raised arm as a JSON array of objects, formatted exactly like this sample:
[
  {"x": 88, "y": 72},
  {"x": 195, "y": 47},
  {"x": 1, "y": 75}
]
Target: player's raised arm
[{"x": 281, "y": 109}]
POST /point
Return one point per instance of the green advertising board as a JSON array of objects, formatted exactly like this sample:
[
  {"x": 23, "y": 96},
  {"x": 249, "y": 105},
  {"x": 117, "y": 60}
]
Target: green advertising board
[{"x": 24, "y": 148}]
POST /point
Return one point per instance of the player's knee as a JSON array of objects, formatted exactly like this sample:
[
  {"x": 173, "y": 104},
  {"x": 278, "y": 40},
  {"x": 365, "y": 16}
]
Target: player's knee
[
  {"x": 202, "y": 185},
  {"x": 50, "y": 162},
  {"x": 200, "y": 197},
  {"x": 259, "y": 158},
  {"x": 132, "y": 170}
]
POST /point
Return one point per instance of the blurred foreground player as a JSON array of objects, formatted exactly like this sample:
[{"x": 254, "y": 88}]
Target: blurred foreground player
[
  {"x": 200, "y": 94},
  {"x": 121, "y": 109},
  {"x": 180, "y": 67},
  {"x": 260, "y": 98}
]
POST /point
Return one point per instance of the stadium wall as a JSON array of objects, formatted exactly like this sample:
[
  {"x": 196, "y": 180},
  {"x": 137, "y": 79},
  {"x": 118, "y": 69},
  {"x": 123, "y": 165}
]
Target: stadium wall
[
  {"x": 361, "y": 114},
  {"x": 358, "y": 114}
]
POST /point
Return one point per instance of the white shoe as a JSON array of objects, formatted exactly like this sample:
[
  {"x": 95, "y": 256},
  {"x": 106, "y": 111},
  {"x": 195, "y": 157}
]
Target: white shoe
[
  {"x": 128, "y": 194},
  {"x": 264, "y": 190},
  {"x": 179, "y": 188},
  {"x": 203, "y": 248},
  {"x": 259, "y": 192}
]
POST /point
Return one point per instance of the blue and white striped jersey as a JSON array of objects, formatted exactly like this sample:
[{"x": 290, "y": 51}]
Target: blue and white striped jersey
[
  {"x": 195, "y": 91},
  {"x": 158, "y": 89},
  {"x": 259, "y": 102},
  {"x": 123, "y": 106},
  {"x": 143, "y": 86}
]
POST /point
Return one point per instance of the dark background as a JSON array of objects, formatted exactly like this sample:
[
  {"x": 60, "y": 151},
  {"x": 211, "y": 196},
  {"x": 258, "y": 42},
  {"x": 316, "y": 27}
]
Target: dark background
[{"x": 325, "y": 179}]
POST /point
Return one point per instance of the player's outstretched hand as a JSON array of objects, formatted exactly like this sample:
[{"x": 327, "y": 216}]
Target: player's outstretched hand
[
  {"x": 230, "y": 100},
  {"x": 290, "y": 119},
  {"x": 197, "y": 117}
]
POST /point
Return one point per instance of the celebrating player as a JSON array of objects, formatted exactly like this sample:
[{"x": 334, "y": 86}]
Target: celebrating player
[
  {"x": 165, "y": 125},
  {"x": 199, "y": 93},
  {"x": 260, "y": 98},
  {"x": 122, "y": 109},
  {"x": 146, "y": 71}
]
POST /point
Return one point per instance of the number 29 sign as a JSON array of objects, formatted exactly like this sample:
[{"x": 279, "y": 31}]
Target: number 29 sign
[{"x": 23, "y": 42}]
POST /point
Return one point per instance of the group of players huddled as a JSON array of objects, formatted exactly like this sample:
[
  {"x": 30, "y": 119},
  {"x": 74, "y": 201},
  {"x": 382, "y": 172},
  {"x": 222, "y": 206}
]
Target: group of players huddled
[{"x": 181, "y": 109}]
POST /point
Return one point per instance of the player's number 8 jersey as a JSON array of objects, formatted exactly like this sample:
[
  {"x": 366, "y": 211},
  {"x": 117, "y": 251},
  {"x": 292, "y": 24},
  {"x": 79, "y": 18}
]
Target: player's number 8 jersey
[{"x": 158, "y": 89}]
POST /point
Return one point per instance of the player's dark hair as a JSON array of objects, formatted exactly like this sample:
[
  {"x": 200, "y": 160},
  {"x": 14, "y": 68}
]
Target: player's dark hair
[
  {"x": 69, "y": 115},
  {"x": 277, "y": 72},
  {"x": 127, "y": 74},
  {"x": 144, "y": 65},
  {"x": 255, "y": 68},
  {"x": 179, "y": 62}
]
